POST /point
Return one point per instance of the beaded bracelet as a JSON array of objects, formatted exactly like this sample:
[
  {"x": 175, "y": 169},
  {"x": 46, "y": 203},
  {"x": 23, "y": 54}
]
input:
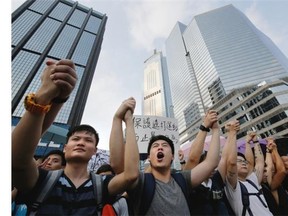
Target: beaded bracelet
[{"x": 31, "y": 106}]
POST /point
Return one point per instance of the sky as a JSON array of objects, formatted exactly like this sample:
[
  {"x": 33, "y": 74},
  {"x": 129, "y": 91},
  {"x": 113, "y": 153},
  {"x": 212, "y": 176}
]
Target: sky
[{"x": 135, "y": 28}]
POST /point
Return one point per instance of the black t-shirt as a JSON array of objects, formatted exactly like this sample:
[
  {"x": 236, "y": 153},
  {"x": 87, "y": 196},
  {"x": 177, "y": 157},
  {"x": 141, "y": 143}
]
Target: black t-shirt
[
  {"x": 282, "y": 208},
  {"x": 210, "y": 201}
]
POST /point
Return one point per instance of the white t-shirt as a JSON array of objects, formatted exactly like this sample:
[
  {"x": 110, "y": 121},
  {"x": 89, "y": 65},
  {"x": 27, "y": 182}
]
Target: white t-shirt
[{"x": 235, "y": 199}]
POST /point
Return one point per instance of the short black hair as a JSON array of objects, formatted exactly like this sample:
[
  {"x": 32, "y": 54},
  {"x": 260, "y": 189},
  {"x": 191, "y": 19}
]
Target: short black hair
[
  {"x": 241, "y": 155},
  {"x": 83, "y": 127},
  {"x": 56, "y": 152},
  {"x": 105, "y": 168},
  {"x": 160, "y": 137}
]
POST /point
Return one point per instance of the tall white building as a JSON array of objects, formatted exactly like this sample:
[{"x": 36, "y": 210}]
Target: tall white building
[
  {"x": 219, "y": 51},
  {"x": 157, "y": 96}
]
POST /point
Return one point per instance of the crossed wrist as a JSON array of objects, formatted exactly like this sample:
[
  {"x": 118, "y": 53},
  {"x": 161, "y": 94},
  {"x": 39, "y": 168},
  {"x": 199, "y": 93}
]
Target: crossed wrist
[{"x": 268, "y": 150}]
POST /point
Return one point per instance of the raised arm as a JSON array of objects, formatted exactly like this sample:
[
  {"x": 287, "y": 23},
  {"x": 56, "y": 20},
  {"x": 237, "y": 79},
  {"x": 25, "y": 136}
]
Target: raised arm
[
  {"x": 198, "y": 144},
  {"x": 268, "y": 162},
  {"x": 248, "y": 151},
  {"x": 227, "y": 166},
  {"x": 116, "y": 142},
  {"x": 256, "y": 163},
  {"x": 28, "y": 131},
  {"x": 203, "y": 170},
  {"x": 129, "y": 177},
  {"x": 280, "y": 173}
]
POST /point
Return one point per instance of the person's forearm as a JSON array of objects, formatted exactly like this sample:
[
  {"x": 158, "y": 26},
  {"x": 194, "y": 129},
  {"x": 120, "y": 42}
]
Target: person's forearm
[
  {"x": 214, "y": 148},
  {"x": 131, "y": 164},
  {"x": 195, "y": 150},
  {"x": 228, "y": 154},
  {"x": 269, "y": 164},
  {"x": 50, "y": 117},
  {"x": 280, "y": 171},
  {"x": 116, "y": 146},
  {"x": 249, "y": 156},
  {"x": 259, "y": 162},
  {"x": 259, "y": 158},
  {"x": 25, "y": 138}
]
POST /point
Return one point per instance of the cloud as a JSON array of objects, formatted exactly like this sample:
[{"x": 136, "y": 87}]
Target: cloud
[
  {"x": 277, "y": 34},
  {"x": 151, "y": 21}
]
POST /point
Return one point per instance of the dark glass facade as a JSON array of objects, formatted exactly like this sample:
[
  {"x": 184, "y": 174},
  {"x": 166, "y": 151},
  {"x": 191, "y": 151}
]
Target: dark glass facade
[{"x": 56, "y": 30}]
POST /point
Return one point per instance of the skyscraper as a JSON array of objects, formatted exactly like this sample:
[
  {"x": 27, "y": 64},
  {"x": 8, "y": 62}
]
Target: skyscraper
[
  {"x": 56, "y": 29},
  {"x": 218, "y": 52},
  {"x": 157, "y": 95}
]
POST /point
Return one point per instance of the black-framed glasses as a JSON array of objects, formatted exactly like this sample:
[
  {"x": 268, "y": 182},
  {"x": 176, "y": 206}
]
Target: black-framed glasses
[{"x": 242, "y": 161}]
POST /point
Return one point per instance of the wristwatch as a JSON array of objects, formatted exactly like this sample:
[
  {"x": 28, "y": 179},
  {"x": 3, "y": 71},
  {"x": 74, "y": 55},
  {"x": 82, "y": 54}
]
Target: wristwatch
[
  {"x": 203, "y": 128},
  {"x": 58, "y": 100},
  {"x": 31, "y": 106}
]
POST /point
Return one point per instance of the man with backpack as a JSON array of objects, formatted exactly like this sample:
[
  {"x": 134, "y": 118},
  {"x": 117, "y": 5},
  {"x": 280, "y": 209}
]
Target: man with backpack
[
  {"x": 209, "y": 197},
  {"x": 244, "y": 176},
  {"x": 72, "y": 191},
  {"x": 162, "y": 192}
]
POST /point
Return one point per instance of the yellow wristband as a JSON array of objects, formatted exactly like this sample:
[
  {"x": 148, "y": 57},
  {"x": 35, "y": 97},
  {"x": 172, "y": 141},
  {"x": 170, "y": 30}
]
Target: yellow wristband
[{"x": 31, "y": 106}]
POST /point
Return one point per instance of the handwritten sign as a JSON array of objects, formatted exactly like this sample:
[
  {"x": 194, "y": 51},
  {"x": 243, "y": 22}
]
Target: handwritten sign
[{"x": 148, "y": 126}]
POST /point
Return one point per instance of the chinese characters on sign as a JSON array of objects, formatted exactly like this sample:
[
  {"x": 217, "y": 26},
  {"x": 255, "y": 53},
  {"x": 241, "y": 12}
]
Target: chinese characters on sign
[{"x": 147, "y": 126}]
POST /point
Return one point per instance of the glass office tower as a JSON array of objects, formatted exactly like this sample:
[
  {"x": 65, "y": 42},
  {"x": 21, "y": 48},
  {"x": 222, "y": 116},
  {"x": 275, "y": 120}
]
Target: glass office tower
[
  {"x": 157, "y": 95},
  {"x": 56, "y": 29},
  {"x": 224, "y": 51}
]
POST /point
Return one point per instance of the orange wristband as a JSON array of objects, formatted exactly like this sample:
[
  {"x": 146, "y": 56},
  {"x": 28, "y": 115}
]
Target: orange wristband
[{"x": 31, "y": 106}]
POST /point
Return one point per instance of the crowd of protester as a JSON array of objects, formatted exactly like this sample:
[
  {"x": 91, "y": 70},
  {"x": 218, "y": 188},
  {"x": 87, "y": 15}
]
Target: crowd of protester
[{"x": 252, "y": 182}]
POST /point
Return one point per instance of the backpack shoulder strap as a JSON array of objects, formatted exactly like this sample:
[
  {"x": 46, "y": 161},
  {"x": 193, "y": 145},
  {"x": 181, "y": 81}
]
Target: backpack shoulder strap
[
  {"x": 260, "y": 191},
  {"x": 178, "y": 177},
  {"x": 97, "y": 186},
  {"x": 245, "y": 199},
  {"x": 48, "y": 183},
  {"x": 252, "y": 183},
  {"x": 147, "y": 193}
]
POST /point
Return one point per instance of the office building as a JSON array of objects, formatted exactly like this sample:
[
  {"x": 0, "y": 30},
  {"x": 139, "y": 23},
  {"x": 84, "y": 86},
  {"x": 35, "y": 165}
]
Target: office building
[
  {"x": 219, "y": 52},
  {"x": 262, "y": 108},
  {"x": 55, "y": 29},
  {"x": 157, "y": 95}
]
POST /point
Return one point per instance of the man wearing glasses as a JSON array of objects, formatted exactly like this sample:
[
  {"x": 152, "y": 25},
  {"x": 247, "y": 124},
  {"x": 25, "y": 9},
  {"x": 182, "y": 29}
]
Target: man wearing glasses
[{"x": 244, "y": 175}]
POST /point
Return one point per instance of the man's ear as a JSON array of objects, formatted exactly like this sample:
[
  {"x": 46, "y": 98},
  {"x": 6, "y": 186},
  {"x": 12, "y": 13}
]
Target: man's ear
[{"x": 64, "y": 148}]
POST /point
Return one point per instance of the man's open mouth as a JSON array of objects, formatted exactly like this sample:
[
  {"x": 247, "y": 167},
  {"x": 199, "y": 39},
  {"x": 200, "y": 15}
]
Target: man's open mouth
[{"x": 160, "y": 155}]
